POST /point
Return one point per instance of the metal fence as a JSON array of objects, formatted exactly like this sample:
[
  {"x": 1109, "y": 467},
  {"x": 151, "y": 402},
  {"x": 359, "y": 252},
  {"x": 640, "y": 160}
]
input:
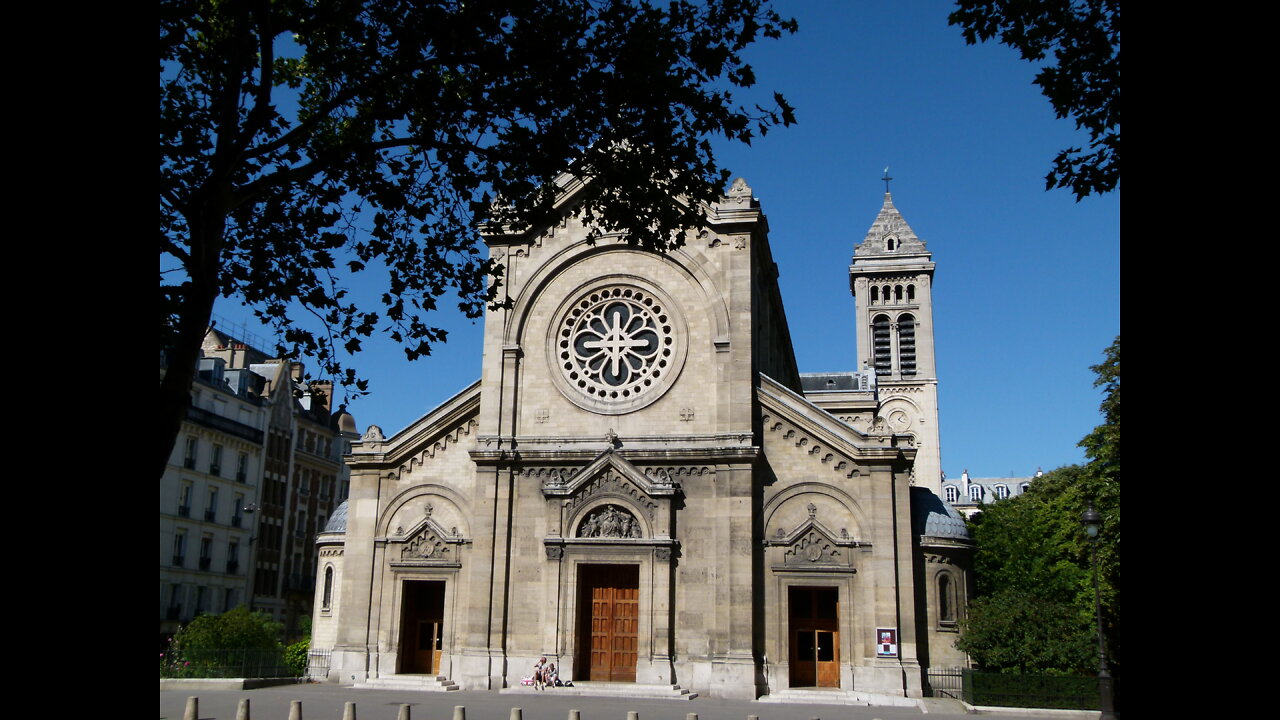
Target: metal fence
[
  {"x": 1067, "y": 692},
  {"x": 318, "y": 664},
  {"x": 945, "y": 682},
  {"x": 225, "y": 664}
]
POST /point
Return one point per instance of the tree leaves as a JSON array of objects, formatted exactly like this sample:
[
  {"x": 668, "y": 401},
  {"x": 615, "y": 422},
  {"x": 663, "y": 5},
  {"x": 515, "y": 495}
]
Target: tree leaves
[
  {"x": 299, "y": 140},
  {"x": 1082, "y": 82}
]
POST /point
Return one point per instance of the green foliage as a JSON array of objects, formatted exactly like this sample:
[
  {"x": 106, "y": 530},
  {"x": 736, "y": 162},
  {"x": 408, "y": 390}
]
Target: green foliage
[
  {"x": 1034, "y": 605},
  {"x": 1102, "y": 446},
  {"x": 1082, "y": 82},
  {"x": 237, "y": 629},
  {"x": 295, "y": 657},
  {"x": 303, "y": 143}
]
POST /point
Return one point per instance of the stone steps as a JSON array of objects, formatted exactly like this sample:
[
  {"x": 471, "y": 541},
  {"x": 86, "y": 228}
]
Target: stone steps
[
  {"x": 610, "y": 689},
  {"x": 816, "y": 696},
  {"x": 424, "y": 683}
]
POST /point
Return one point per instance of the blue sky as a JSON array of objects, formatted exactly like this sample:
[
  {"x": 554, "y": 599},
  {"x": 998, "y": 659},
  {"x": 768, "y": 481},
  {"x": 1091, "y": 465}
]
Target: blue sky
[{"x": 1027, "y": 284}]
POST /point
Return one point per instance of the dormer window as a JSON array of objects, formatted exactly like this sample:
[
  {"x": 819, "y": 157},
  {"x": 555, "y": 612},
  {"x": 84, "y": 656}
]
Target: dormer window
[{"x": 891, "y": 243}]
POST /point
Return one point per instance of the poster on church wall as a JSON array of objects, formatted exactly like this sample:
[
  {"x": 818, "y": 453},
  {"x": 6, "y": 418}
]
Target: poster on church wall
[{"x": 888, "y": 645}]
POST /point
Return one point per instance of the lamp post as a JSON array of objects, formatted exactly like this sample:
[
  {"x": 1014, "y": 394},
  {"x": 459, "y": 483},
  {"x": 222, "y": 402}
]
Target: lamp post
[{"x": 1092, "y": 522}]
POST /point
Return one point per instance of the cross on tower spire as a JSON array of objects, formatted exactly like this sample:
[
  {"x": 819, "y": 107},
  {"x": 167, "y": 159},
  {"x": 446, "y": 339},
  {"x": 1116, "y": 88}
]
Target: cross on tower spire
[{"x": 886, "y": 179}]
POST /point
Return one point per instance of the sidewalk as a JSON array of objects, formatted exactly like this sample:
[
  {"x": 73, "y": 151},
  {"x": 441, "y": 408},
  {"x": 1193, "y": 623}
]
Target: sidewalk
[{"x": 325, "y": 701}]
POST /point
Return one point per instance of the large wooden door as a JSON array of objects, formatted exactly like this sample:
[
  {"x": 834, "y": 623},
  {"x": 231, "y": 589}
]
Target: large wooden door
[
  {"x": 609, "y": 625},
  {"x": 814, "y": 637}
]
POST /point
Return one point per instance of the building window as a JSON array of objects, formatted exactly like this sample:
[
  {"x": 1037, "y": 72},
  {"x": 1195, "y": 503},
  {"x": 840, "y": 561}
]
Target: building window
[
  {"x": 184, "y": 501},
  {"x": 1002, "y": 491},
  {"x": 1023, "y": 487},
  {"x": 228, "y": 599},
  {"x": 211, "y": 508},
  {"x": 242, "y": 468},
  {"x": 174, "y": 611},
  {"x": 907, "y": 345},
  {"x": 201, "y": 592},
  {"x": 975, "y": 493},
  {"x": 179, "y": 548},
  {"x": 881, "y": 343},
  {"x": 215, "y": 461},
  {"x": 328, "y": 588},
  {"x": 206, "y": 552},
  {"x": 190, "y": 459},
  {"x": 952, "y": 493},
  {"x": 946, "y": 601},
  {"x": 233, "y": 558}
]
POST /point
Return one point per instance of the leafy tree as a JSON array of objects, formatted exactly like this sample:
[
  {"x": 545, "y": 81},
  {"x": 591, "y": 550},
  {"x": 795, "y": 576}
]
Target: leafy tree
[
  {"x": 302, "y": 141},
  {"x": 236, "y": 629},
  {"x": 1034, "y": 603},
  {"x": 1082, "y": 82},
  {"x": 295, "y": 657}
]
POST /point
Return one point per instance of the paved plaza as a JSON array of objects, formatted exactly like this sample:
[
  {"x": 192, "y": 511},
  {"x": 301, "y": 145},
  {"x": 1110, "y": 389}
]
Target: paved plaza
[{"x": 326, "y": 702}]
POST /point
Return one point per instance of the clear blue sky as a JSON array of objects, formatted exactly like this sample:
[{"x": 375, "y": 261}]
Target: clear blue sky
[{"x": 1027, "y": 285}]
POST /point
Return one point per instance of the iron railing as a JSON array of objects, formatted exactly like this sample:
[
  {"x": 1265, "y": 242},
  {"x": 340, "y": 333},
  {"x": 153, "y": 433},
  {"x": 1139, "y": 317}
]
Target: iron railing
[
  {"x": 224, "y": 664},
  {"x": 1067, "y": 692},
  {"x": 318, "y": 664}
]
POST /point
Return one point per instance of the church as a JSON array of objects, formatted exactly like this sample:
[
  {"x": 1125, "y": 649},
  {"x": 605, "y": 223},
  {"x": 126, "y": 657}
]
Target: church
[{"x": 643, "y": 488}]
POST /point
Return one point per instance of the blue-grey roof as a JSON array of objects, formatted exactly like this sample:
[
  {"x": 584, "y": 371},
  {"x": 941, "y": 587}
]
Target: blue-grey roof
[
  {"x": 931, "y": 516},
  {"x": 337, "y": 523}
]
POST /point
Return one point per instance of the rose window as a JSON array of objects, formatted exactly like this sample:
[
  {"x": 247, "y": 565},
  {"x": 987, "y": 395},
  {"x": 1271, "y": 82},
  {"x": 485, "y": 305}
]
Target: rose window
[{"x": 615, "y": 343}]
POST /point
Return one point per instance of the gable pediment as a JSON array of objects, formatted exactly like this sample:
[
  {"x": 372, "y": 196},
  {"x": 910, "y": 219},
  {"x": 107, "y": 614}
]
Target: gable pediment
[
  {"x": 426, "y": 543},
  {"x": 610, "y": 474}
]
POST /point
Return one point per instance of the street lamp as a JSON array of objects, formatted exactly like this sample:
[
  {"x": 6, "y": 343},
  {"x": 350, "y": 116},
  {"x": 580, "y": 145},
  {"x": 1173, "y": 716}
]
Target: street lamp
[{"x": 1092, "y": 522}]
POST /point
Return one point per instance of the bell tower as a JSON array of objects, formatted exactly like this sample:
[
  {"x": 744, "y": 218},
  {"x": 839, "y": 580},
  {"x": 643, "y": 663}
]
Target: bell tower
[{"x": 891, "y": 278}]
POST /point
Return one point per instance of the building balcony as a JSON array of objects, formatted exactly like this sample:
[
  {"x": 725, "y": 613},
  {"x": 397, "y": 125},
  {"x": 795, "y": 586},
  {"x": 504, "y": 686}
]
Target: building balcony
[
  {"x": 205, "y": 563},
  {"x": 179, "y": 560},
  {"x": 210, "y": 515},
  {"x": 233, "y": 567},
  {"x": 236, "y": 520},
  {"x": 184, "y": 511}
]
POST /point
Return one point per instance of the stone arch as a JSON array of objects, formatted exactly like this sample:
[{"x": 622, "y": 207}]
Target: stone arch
[
  {"x": 686, "y": 261},
  {"x": 580, "y": 514},
  {"x": 459, "y": 506},
  {"x": 843, "y": 499}
]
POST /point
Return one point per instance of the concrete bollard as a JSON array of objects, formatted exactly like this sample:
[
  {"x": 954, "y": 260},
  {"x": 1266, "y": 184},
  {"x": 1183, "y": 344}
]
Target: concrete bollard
[
  {"x": 193, "y": 709},
  {"x": 459, "y": 712},
  {"x": 404, "y": 712},
  {"x": 633, "y": 715},
  {"x": 295, "y": 710},
  {"x": 691, "y": 716},
  {"x": 753, "y": 717},
  {"x": 574, "y": 715},
  {"x": 517, "y": 714},
  {"x": 242, "y": 710},
  {"x": 349, "y": 711}
]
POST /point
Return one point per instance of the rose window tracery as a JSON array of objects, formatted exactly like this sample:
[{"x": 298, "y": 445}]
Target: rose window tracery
[{"x": 616, "y": 343}]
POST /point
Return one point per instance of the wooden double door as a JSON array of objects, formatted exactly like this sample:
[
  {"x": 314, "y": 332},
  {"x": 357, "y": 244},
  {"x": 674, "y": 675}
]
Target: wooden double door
[
  {"x": 814, "y": 636},
  {"x": 608, "y": 622}
]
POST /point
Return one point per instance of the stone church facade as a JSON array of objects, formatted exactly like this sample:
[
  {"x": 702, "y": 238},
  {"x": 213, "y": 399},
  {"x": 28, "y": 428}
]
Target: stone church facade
[{"x": 643, "y": 488}]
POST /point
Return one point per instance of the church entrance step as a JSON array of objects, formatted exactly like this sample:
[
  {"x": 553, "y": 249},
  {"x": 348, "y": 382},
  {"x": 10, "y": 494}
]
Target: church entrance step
[
  {"x": 425, "y": 683},
  {"x": 611, "y": 689}
]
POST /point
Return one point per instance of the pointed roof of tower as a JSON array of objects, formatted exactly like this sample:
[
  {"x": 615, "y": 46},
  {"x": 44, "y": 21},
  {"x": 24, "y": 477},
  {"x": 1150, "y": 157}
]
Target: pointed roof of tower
[{"x": 890, "y": 234}]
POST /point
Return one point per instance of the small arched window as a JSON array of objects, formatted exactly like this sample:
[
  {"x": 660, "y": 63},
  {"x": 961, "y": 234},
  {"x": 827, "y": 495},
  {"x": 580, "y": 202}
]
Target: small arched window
[
  {"x": 952, "y": 493},
  {"x": 1002, "y": 491},
  {"x": 875, "y": 294},
  {"x": 946, "y": 599},
  {"x": 1023, "y": 487},
  {"x": 891, "y": 243},
  {"x": 975, "y": 493},
  {"x": 328, "y": 588},
  {"x": 911, "y": 293},
  {"x": 897, "y": 293}
]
